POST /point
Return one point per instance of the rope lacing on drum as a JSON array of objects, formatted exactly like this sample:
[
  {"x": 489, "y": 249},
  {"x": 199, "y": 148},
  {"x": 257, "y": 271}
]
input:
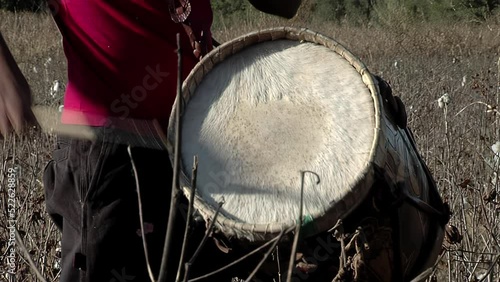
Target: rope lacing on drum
[
  {"x": 397, "y": 110},
  {"x": 395, "y": 106},
  {"x": 399, "y": 193}
]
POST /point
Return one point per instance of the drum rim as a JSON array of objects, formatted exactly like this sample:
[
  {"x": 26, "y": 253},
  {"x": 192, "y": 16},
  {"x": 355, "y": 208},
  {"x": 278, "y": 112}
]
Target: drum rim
[{"x": 335, "y": 211}]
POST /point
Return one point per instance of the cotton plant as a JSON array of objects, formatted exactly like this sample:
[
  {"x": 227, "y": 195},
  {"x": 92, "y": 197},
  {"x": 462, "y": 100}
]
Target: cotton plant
[
  {"x": 54, "y": 90},
  {"x": 396, "y": 64},
  {"x": 495, "y": 163},
  {"x": 496, "y": 155},
  {"x": 496, "y": 148},
  {"x": 47, "y": 62},
  {"x": 443, "y": 100},
  {"x": 57, "y": 262},
  {"x": 46, "y": 68},
  {"x": 496, "y": 151}
]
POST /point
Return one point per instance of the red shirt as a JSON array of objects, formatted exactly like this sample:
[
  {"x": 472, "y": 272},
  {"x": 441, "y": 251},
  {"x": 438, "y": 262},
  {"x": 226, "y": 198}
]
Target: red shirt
[{"x": 121, "y": 57}]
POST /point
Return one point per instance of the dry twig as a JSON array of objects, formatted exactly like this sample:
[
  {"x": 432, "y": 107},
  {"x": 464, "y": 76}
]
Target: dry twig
[
  {"x": 240, "y": 259},
  {"x": 298, "y": 226},
  {"x": 175, "y": 189},
  {"x": 203, "y": 240},
  {"x": 141, "y": 215},
  {"x": 189, "y": 217},
  {"x": 33, "y": 267},
  {"x": 266, "y": 255}
]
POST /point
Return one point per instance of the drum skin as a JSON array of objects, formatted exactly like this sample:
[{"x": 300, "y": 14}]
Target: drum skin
[{"x": 387, "y": 212}]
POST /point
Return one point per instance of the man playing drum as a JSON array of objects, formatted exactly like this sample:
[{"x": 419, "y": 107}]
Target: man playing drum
[{"x": 122, "y": 66}]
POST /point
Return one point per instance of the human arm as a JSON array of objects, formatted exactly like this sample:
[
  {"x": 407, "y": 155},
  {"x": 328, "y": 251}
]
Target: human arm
[
  {"x": 15, "y": 94},
  {"x": 282, "y": 8}
]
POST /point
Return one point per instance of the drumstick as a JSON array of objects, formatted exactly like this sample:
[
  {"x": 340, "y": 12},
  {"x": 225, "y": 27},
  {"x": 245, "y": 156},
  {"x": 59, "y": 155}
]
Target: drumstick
[
  {"x": 127, "y": 131},
  {"x": 49, "y": 120}
]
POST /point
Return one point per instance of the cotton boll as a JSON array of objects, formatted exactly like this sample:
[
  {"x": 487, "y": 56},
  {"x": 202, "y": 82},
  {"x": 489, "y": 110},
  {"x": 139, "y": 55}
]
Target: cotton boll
[
  {"x": 496, "y": 147},
  {"x": 55, "y": 88},
  {"x": 443, "y": 100}
]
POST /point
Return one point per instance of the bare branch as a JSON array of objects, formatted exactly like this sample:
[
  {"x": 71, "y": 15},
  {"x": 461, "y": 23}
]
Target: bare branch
[
  {"x": 189, "y": 218},
  {"x": 299, "y": 225},
  {"x": 240, "y": 259},
  {"x": 175, "y": 189},
  {"x": 141, "y": 216},
  {"x": 28, "y": 257},
  {"x": 266, "y": 255},
  {"x": 202, "y": 243}
]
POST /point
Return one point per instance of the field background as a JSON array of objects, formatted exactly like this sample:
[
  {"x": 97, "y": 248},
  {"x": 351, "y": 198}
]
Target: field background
[{"x": 423, "y": 59}]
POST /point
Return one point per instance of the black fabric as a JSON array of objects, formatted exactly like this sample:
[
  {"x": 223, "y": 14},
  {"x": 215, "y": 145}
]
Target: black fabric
[
  {"x": 91, "y": 196},
  {"x": 283, "y": 8}
]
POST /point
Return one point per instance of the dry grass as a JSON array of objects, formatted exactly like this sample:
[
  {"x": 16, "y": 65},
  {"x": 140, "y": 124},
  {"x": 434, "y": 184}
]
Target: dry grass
[{"x": 422, "y": 63}]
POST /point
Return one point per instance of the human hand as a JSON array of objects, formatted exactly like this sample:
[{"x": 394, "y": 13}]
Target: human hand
[
  {"x": 15, "y": 105},
  {"x": 15, "y": 96}
]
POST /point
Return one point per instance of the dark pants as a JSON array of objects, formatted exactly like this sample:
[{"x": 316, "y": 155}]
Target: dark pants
[{"x": 91, "y": 196}]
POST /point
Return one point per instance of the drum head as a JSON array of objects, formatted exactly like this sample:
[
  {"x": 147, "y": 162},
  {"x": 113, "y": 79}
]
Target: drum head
[{"x": 260, "y": 116}]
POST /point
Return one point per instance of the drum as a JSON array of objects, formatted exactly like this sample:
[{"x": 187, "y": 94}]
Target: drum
[{"x": 286, "y": 115}]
